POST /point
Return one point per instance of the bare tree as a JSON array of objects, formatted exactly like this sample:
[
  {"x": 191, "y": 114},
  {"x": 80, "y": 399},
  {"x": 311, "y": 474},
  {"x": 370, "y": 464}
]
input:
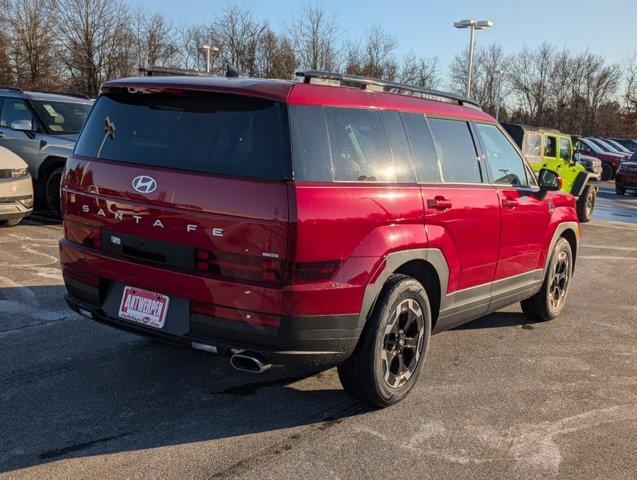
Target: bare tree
[
  {"x": 630, "y": 86},
  {"x": 31, "y": 42},
  {"x": 420, "y": 71},
  {"x": 6, "y": 75},
  {"x": 189, "y": 52},
  {"x": 239, "y": 34},
  {"x": 275, "y": 56},
  {"x": 315, "y": 34},
  {"x": 97, "y": 42},
  {"x": 155, "y": 41},
  {"x": 374, "y": 57},
  {"x": 530, "y": 80}
]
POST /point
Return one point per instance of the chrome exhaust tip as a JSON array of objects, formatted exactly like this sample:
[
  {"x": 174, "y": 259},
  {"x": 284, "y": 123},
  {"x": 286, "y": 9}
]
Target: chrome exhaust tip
[{"x": 249, "y": 362}]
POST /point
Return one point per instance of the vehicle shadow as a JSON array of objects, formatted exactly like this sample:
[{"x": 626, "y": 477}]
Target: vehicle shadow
[
  {"x": 72, "y": 388},
  {"x": 500, "y": 319}
]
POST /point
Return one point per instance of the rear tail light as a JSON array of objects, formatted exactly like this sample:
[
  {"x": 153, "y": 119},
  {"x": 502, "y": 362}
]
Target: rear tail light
[
  {"x": 86, "y": 235},
  {"x": 313, "y": 271},
  {"x": 240, "y": 267}
]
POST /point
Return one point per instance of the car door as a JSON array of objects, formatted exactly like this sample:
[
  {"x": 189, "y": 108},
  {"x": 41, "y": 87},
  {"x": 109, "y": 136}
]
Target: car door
[
  {"x": 24, "y": 144},
  {"x": 462, "y": 217},
  {"x": 525, "y": 216}
]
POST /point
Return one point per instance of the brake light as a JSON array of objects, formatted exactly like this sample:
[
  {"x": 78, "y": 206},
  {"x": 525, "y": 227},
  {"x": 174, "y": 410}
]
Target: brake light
[
  {"x": 240, "y": 267},
  {"x": 83, "y": 234}
]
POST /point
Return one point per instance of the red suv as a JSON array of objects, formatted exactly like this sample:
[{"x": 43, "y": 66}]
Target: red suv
[{"x": 336, "y": 220}]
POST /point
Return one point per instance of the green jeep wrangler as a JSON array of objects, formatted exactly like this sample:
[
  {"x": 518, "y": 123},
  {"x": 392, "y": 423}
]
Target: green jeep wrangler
[{"x": 547, "y": 148}]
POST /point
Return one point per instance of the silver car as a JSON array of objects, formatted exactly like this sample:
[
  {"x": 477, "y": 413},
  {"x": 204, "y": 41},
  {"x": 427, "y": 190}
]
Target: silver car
[
  {"x": 42, "y": 129},
  {"x": 16, "y": 189}
]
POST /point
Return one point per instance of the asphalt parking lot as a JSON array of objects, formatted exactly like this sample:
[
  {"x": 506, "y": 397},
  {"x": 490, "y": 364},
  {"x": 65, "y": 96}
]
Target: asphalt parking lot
[{"x": 498, "y": 398}]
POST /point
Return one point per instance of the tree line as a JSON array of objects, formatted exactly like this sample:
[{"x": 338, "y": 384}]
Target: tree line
[{"x": 75, "y": 45}]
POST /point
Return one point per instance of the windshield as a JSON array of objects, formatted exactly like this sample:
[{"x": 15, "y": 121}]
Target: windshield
[
  {"x": 62, "y": 118},
  {"x": 604, "y": 146},
  {"x": 592, "y": 145},
  {"x": 618, "y": 146},
  {"x": 212, "y": 133}
]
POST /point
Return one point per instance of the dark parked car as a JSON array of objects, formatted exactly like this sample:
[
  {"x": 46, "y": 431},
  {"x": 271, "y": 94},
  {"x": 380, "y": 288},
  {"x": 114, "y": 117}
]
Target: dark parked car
[
  {"x": 630, "y": 144},
  {"x": 610, "y": 161},
  {"x": 626, "y": 178}
]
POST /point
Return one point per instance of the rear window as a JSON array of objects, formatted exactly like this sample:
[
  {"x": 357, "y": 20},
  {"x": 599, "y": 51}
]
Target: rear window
[{"x": 213, "y": 133}]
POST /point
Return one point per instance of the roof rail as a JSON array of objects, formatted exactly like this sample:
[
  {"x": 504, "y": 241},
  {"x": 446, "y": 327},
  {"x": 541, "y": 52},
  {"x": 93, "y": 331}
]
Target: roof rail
[
  {"x": 165, "y": 71},
  {"x": 368, "y": 83},
  {"x": 11, "y": 89}
]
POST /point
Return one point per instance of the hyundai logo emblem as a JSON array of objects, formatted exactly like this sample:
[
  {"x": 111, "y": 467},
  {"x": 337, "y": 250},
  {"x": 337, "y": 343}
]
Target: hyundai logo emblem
[{"x": 144, "y": 184}]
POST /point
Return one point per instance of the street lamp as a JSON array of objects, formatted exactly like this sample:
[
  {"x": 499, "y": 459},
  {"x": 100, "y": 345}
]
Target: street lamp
[
  {"x": 473, "y": 25},
  {"x": 208, "y": 49}
]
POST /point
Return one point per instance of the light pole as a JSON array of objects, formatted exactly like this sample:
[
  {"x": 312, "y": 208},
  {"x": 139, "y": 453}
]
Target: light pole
[
  {"x": 208, "y": 49},
  {"x": 472, "y": 25}
]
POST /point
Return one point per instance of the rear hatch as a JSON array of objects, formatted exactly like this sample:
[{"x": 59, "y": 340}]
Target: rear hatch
[{"x": 188, "y": 184}]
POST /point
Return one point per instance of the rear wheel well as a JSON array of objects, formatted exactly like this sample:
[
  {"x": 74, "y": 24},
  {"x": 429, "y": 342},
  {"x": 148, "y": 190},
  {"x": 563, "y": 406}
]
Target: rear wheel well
[
  {"x": 569, "y": 235},
  {"x": 427, "y": 276},
  {"x": 50, "y": 163}
]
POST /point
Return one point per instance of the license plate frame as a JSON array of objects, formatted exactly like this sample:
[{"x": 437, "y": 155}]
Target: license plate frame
[{"x": 145, "y": 307}]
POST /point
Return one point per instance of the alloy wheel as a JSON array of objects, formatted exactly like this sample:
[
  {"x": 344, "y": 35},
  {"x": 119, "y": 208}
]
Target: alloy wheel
[
  {"x": 559, "y": 281},
  {"x": 403, "y": 343}
]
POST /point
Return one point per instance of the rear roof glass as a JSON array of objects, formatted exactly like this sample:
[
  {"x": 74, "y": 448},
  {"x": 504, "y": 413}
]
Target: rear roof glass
[{"x": 212, "y": 133}]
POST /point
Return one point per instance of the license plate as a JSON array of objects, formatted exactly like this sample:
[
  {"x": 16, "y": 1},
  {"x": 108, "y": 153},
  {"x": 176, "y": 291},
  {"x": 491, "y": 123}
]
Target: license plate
[{"x": 142, "y": 306}]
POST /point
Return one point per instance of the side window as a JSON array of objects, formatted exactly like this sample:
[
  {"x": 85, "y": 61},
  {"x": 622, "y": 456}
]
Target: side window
[
  {"x": 310, "y": 144},
  {"x": 533, "y": 147},
  {"x": 550, "y": 147},
  {"x": 458, "y": 156},
  {"x": 399, "y": 146},
  {"x": 565, "y": 148},
  {"x": 423, "y": 149},
  {"x": 503, "y": 161},
  {"x": 359, "y": 145},
  {"x": 14, "y": 109}
]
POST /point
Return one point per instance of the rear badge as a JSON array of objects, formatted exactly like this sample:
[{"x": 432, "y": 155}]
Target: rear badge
[
  {"x": 144, "y": 184},
  {"x": 116, "y": 240}
]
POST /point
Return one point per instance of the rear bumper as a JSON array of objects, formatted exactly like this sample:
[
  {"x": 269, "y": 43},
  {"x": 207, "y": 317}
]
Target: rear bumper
[{"x": 304, "y": 341}]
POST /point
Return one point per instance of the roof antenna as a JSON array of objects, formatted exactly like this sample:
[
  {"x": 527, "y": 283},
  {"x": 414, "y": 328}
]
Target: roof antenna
[{"x": 233, "y": 72}]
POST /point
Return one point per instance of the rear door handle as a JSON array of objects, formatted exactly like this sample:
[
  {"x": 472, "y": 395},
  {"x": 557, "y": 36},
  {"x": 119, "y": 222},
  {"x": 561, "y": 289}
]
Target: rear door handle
[
  {"x": 439, "y": 203},
  {"x": 509, "y": 203}
]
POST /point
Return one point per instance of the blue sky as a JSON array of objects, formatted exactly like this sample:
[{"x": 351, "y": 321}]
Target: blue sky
[{"x": 607, "y": 27}]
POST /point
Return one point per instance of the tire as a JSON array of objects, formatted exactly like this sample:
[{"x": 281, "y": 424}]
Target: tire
[
  {"x": 52, "y": 191},
  {"x": 607, "y": 172},
  {"x": 368, "y": 374},
  {"x": 12, "y": 222},
  {"x": 619, "y": 190},
  {"x": 544, "y": 305},
  {"x": 586, "y": 203}
]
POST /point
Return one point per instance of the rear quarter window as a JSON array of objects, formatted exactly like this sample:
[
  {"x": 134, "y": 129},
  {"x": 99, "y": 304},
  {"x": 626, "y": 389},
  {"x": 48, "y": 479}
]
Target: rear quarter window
[
  {"x": 211, "y": 133},
  {"x": 457, "y": 151}
]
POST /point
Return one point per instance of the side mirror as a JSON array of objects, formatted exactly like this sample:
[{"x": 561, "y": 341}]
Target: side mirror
[
  {"x": 576, "y": 156},
  {"x": 549, "y": 180},
  {"x": 22, "y": 126}
]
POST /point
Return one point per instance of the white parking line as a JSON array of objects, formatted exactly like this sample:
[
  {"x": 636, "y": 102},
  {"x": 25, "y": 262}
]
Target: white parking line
[{"x": 604, "y": 257}]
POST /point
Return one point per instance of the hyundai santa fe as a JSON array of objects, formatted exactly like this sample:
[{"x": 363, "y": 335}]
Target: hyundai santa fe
[{"x": 334, "y": 220}]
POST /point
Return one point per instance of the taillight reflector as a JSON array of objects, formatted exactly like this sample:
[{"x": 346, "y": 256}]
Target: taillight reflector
[{"x": 234, "y": 314}]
